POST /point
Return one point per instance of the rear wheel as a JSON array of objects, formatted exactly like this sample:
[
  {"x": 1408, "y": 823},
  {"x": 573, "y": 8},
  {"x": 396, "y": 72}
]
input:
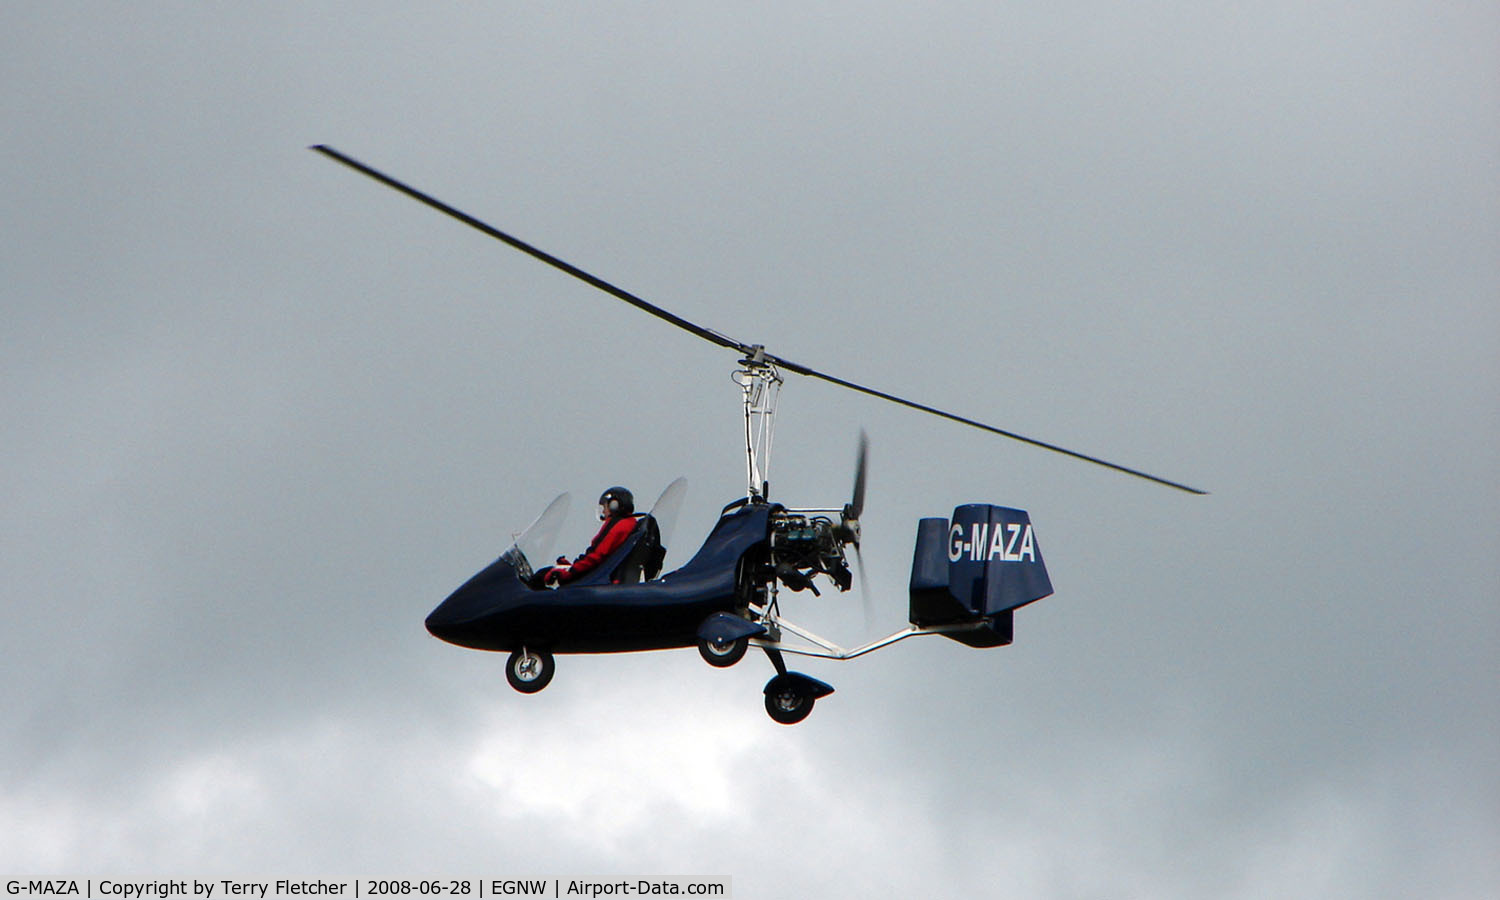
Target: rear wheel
[
  {"x": 528, "y": 671},
  {"x": 788, "y": 705},
  {"x": 722, "y": 654}
]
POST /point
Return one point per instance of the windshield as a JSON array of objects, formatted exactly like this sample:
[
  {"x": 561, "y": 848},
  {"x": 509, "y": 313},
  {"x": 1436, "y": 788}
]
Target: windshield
[
  {"x": 668, "y": 505},
  {"x": 536, "y": 541}
]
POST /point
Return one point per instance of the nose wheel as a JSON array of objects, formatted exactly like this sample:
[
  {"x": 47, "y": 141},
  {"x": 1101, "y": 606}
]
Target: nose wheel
[{"x": 528, "y": 671}]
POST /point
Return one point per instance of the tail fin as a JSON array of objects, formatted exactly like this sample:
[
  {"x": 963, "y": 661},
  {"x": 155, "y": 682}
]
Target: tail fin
[{"x": 977, "y": 568}]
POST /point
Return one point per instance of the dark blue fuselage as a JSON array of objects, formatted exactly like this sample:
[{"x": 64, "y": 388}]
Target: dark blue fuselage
[{"x": 496, "y": 610}]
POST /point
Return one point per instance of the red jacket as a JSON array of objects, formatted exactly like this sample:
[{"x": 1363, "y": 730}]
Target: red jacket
[{"x": 612, "y": 535}]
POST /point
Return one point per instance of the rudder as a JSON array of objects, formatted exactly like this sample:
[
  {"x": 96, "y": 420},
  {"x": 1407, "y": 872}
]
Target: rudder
[{"x": 978, "y": 567}]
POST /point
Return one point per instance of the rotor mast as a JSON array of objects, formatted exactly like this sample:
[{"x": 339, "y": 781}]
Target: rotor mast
[{"x": 760, "y": 385}]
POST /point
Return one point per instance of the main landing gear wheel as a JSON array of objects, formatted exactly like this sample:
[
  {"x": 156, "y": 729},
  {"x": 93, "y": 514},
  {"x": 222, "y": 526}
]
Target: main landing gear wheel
[
  {"x": 788, "y": 704},
  {"x": 528, "y": 671},
  {"x": 722, "y": 654}
]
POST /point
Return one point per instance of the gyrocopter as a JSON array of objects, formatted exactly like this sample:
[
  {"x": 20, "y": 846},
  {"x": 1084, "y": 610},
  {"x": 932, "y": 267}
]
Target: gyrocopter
[{"x": 970, "y": 570}]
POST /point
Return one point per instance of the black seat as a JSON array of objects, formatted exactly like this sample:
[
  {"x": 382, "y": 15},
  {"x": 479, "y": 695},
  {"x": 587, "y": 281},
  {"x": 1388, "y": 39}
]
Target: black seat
[{"x": 644, "y": 560}]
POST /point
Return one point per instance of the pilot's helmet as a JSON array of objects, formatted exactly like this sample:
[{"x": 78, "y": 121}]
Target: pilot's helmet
[{"x": 615, "y": 503}]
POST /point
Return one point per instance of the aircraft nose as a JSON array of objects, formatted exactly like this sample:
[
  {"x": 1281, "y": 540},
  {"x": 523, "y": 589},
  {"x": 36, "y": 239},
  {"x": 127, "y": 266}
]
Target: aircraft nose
[
  {"x": 472, "y": 615},
  {"x": 451, "y": 619},
  {"x": 441, "y": 625}
]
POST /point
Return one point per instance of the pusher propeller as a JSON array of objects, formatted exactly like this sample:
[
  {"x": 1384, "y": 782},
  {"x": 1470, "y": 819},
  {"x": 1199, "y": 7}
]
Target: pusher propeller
[
  {"x": 754, "y": 351},
  {"x": 848, "y": 530},
  {"x": 849, "y": 527}
]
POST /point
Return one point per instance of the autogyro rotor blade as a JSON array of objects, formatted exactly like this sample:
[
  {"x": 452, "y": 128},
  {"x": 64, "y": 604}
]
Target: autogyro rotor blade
[
  {"x": 708, "y": 334},
  {"x": 912, "y": 404},
  {"x": 756, "y": 352}
]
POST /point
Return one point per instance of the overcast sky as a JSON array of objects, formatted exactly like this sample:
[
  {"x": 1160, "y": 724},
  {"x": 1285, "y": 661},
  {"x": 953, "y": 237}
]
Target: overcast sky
[{"x": 261, "y": 414}]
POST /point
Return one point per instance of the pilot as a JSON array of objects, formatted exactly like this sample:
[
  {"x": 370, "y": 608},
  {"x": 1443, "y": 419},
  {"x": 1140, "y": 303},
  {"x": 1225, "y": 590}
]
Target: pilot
[{"x": 617, "y": 515}]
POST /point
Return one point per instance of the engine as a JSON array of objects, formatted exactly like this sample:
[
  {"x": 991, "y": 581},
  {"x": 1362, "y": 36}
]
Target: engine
[{"x": 805, "y": 545}]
